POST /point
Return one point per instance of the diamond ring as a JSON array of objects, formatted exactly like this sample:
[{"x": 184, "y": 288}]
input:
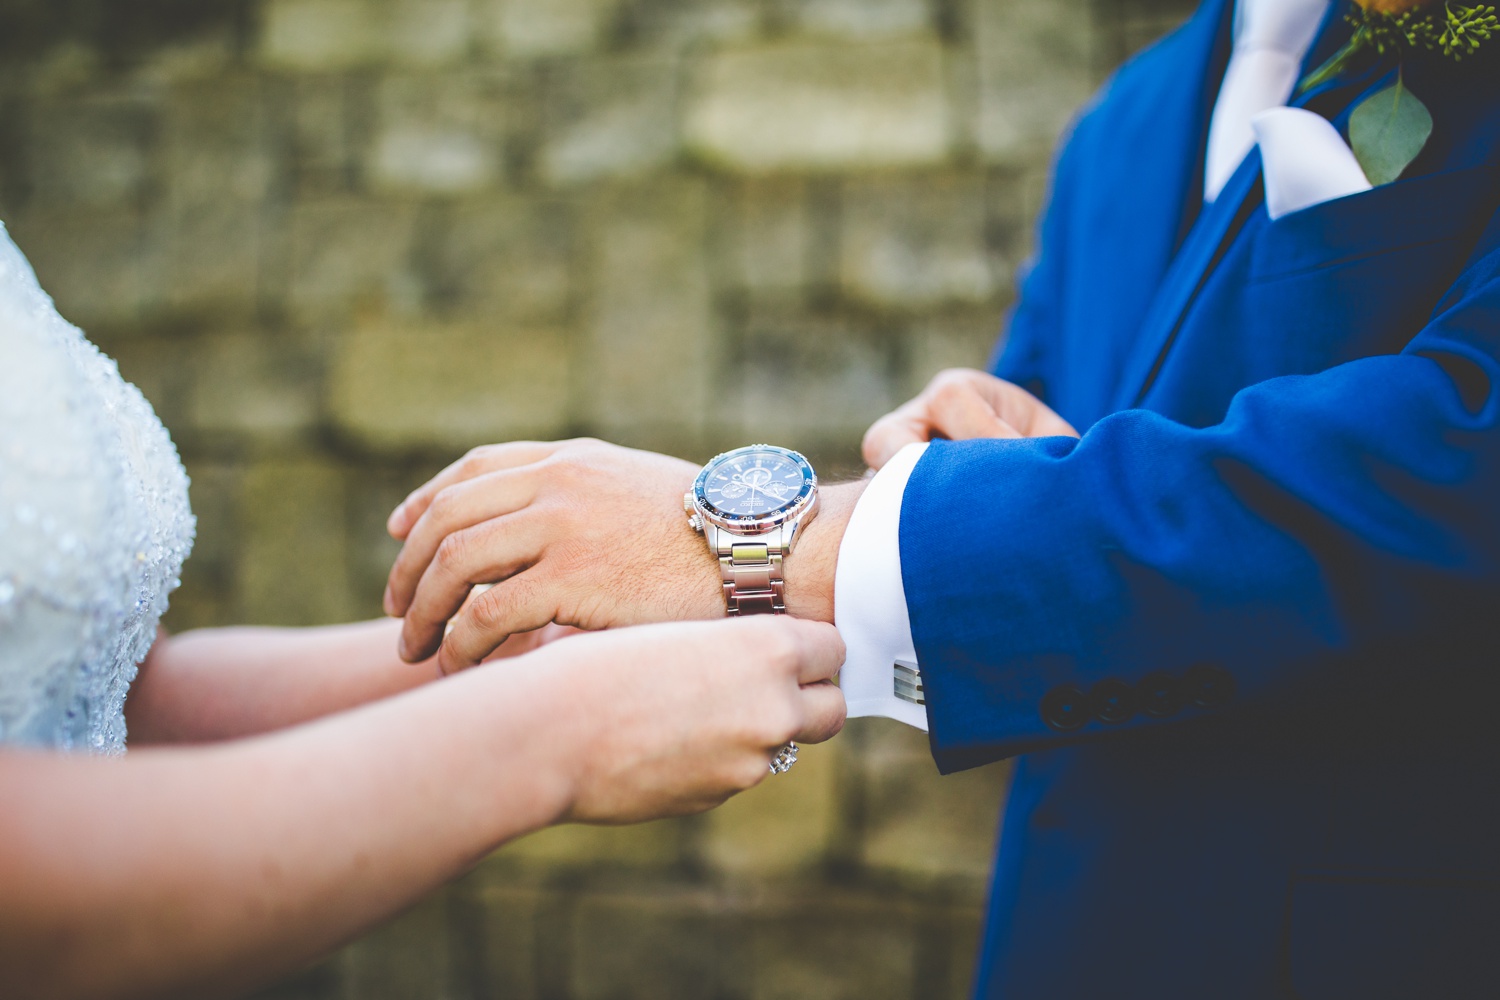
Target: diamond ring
[{"x": 784, "y": 759}]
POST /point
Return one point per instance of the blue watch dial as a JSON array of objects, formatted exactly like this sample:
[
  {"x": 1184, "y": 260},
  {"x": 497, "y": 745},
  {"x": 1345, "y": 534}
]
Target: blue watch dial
[{"x": 755, "y": 483}]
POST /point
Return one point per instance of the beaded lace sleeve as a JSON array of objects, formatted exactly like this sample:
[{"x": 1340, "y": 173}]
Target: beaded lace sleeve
[{"x": 94, "y": 526}]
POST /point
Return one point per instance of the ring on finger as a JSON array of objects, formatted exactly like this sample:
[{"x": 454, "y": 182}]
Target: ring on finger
[{"x": 784, "y": 758}]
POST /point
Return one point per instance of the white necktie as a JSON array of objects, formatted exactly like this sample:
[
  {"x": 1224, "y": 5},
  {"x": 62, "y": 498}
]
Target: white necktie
[{"x": 1271, "y": 38}]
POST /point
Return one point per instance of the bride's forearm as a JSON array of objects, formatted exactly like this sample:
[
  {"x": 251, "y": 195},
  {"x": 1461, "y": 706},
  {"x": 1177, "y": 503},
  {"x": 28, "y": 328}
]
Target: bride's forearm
[
  {"x": 200, "y": 871},
  {"x": 223, "y": 683}
]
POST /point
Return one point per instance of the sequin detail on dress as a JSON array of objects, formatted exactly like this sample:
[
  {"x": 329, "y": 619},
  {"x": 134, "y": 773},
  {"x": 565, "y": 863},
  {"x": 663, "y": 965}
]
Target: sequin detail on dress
[{"x": 94, "y": 526}]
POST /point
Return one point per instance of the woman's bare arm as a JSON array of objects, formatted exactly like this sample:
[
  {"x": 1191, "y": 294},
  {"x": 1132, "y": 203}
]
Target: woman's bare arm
[
  {"x": 223, "y": 683},
  {"x": 205, "y": 871}
]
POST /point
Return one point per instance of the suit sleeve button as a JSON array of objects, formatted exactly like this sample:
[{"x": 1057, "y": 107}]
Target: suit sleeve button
[
  {"x": 1160, "y": 694},
  {"x": 1208, "y": 686},
  {"x": 1114, "y": 701},
  {"x": 1066, "y": 708}
]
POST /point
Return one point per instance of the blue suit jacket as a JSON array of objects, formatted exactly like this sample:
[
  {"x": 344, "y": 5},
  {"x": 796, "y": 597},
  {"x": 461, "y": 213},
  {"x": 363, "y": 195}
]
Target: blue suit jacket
[{"x": 1246, "y": 632}]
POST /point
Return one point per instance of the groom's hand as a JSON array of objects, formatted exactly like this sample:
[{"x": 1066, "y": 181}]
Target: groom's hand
[
  {"x": 580, "y": 533},
  {"x": 960, "y": 404}
]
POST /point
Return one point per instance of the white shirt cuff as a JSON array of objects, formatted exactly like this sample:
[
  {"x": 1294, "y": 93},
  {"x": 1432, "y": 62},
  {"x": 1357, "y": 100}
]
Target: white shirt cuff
[{"x": 869, "y": 601}]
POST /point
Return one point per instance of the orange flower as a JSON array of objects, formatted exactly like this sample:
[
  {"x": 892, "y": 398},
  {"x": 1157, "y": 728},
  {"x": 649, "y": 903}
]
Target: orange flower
[{"x": 1392, "y": 7}]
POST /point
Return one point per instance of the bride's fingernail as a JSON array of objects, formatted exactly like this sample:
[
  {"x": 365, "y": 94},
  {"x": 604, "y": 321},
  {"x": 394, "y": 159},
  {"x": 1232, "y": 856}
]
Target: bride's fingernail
[
  {"x": 392, "y": 522},
  {"x": 389, "y": 602},
  {"x": 401, "y": 649}
]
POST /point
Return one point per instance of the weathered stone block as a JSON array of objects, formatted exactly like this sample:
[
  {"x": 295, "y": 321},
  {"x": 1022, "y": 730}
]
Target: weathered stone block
[
  {"x": 822, "y": 107},
  {"x": 293, "y": 556},
  {"x": 504, "y": 260},
  {"x": 90, "y": 152},
  {"x": 1034, "y": 71},
  {"x": 350, "y": 253},
  {"x": 651, "y": 327},
  {"x": 509, "y": 941},
  {"x": 863, "y": 18},
  {"x": 526, "y": 29},
  {"x": 952, "y": 340},
  {"x": 438, "y": 136},
  {"x": 654, "y": 946},
  {"x": 782, "y": 825},
  {"x": 650, "y": 845},
  {"x": 767, "y": 240},
  {"x": 410, "y": 958},
  {"x": 836, "y": 949},
  {"x": 451, "y": 386},
  {"x": 217, "y": 142},
  {"x": 677, "y": 26},
  {"x": 328, "y": 118},
  {"x": 322, "y": 35},
  {"x": 807, "y": 380},
  {"x": 207, "y": 259},
  {"x": 917, "y": 242},
  {"x": 203, "y": 56},
  {"x": 609, "y": 118},
  {"x": 430, "y": 32},
  {"x": 435, "y": 160},
  {"x": 921, "y": 824},
  {"x": 217, "y": 168},
  {"x": 254, "y": 383}
]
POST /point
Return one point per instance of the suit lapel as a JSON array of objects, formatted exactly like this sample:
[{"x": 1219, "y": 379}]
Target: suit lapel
[
  {"x": 1212, "y": 229},
  {"x": 1133, "y": 169}
]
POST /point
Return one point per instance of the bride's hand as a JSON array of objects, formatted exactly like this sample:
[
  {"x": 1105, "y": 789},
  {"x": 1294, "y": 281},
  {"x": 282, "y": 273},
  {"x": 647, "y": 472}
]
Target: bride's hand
[
  {"x": 960, "y": 404},
  {"x": 674, "y": 719}
]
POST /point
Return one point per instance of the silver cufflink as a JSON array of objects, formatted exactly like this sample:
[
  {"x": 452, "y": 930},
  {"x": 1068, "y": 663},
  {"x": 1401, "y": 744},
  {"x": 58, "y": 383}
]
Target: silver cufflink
[{"x": 908, "y": 683}]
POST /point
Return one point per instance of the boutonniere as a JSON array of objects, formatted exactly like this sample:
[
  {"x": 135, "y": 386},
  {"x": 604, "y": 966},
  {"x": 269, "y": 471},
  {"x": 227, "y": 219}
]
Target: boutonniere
[{"x": 1389, "y": 128}]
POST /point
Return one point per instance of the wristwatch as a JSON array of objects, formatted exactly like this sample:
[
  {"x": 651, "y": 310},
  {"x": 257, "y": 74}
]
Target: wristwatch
[{"x": 749, "y": 503}]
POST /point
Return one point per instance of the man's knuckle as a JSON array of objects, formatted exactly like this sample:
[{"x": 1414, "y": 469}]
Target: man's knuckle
[
  {"x": 488, "y": 613},
  {"x": 563, "y": 468},
  {"x": 443, "y": 504},
  {"x": 947, "y": 379},
  {"x": 452, "y": 550},
  {"x": 950, "y": 391}
]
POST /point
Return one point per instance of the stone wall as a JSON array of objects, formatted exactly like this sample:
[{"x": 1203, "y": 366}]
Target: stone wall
[{"x": 338, "y": 241}]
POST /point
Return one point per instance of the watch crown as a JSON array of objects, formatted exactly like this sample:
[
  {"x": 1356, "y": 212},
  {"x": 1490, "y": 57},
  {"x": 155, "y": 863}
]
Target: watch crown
[{"x": 696, "y": 523}]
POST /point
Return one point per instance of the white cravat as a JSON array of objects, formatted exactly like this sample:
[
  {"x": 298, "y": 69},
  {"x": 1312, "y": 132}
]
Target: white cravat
[{"x": 1271, "y": 39}]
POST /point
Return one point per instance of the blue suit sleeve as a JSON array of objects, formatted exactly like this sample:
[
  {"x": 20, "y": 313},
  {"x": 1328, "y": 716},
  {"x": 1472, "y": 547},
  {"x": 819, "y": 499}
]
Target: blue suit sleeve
[{"x": 1333, "y": 529}]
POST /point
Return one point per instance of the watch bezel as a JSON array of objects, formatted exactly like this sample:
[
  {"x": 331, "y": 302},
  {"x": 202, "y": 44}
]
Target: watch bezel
[{"x": 755, "y": 524}]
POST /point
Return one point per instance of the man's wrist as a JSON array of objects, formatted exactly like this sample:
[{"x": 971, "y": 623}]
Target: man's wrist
[{"x": 810, "y": 570}]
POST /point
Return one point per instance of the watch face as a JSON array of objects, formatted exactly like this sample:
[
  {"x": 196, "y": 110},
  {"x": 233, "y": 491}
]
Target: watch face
[{"x": 755, "y": 484}]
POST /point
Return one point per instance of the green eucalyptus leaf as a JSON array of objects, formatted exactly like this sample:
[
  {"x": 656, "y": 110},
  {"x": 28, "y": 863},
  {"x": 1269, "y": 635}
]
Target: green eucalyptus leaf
[{"x": 1387, "y": 131}]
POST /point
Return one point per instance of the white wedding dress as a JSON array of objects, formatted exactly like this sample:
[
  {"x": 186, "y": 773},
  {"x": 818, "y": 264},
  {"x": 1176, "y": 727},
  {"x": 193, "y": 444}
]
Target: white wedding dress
[{"x": 94, "y": 526}]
